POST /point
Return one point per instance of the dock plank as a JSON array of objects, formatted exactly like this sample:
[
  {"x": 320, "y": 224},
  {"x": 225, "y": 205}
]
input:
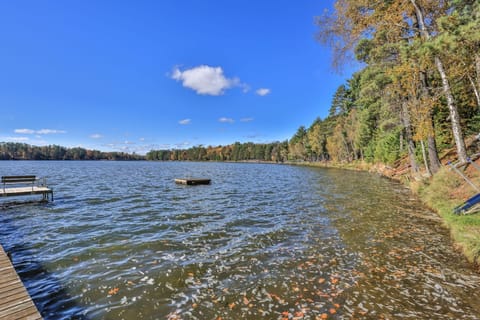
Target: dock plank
[
  {"x": 23, "y": 191},
  {"x": 15, "y": 302}
]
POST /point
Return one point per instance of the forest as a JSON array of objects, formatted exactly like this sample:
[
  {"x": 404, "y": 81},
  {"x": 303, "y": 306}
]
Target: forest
[
  {"x": 416, "y": 94},
  {"x": 249, "y": 151},
  {"x": 23, "y": 151}
]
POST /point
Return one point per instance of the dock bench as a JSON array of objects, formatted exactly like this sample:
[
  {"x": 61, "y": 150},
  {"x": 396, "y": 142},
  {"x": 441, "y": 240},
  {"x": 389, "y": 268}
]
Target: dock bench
[
  {"x": 18, "y": 180},
  {"x": 24, "y": 185}
]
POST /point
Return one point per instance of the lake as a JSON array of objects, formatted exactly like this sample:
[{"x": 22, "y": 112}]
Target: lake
[{"x": 263, "y": 241}]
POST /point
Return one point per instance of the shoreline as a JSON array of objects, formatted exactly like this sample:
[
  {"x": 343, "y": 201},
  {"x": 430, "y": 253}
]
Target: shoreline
[{"x": 440, "y": 193}]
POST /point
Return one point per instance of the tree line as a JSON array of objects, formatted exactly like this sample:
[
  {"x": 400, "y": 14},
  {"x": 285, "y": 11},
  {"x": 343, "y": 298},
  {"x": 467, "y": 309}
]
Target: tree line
[
  {"x": 418, "y": 90},
  {"x": 271, "y": 152},
  {"x": 417, "y": 93},
  {"x": 22, "y": 151}
]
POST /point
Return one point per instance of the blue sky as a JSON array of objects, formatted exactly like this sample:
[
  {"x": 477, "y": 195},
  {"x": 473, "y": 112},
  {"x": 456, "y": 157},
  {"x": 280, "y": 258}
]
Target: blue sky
[{"x": 139, "y": 75}]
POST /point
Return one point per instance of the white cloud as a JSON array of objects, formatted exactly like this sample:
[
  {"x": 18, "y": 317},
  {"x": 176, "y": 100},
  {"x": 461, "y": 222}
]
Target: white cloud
[
  {"x": 41, "y": 131},
  {"x": 24, "y": 131},
  {"x": 226, "y": 120},
  {"x": 246, "y": 119},
  {"x": 206, "y": 80},
  {"x": 96, "y": 136},
  {"x": 185, "y": 121},
  {"x": 14, "y": 139},
  {"x": 50, "y": 131},
  {"x": 263, "y": 91}
]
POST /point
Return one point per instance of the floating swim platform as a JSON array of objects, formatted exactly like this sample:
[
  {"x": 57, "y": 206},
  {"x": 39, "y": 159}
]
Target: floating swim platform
[{"x": 192, "y": 181}]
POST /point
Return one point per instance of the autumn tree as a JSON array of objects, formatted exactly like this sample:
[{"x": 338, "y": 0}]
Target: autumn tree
[{"x": 392, "y": 22}]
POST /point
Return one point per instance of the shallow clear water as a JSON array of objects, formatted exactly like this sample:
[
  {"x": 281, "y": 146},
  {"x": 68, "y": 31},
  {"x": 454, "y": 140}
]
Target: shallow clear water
[{"x": 122, "y": 241}]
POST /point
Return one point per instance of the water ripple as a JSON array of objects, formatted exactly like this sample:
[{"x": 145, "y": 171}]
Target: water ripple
[{"x": 122, "y": 241}]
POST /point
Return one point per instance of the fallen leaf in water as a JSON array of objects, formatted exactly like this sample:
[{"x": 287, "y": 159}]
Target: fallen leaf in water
[
  {"x": 113, "y": 291},
  {"x": 231, "y": 305},
  {"x": 321, "y": 280},
  {"x": 332, "y": 311}
]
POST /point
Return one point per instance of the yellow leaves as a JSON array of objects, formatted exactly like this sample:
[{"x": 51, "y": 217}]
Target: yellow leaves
[
  {"x": 113, "y": 291},
  {"x": 323, "y": 316},
  {"x": 322, "y": 294},
  {"x": 274, "y": 296}
]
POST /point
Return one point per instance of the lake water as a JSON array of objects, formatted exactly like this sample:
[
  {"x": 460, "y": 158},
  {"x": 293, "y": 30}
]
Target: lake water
[{"x": 123, "y": 241}]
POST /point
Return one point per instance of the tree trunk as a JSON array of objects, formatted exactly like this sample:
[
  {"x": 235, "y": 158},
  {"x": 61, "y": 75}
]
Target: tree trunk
[
  {"x": 475, "y": 91},
  {"x": 401, "y": 142},
  {"x": 476, "y": 84},
  {"x": 424, "y": 155},
  {"x": 433, "y": 159},
  {"x": 454, "y": 116},
  {"x": 477, "y": 69},
  {"x": 408, "y": 137}
]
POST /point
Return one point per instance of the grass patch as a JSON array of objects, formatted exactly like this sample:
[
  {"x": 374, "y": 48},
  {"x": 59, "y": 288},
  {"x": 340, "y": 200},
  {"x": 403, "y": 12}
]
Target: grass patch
[{"x": 443, "y": 193}]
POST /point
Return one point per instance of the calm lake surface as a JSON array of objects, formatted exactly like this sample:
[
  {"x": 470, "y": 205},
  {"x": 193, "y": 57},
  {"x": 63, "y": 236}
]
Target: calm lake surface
[{"x": 123, "y": 241}]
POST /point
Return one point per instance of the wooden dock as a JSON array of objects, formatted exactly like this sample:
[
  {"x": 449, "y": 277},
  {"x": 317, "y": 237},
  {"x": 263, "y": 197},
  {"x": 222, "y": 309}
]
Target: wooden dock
[
  {"x": 25, "y": 191},
  {"x": 192, "y": 181},
  {"x": 15, "y": 303},
  {"x": 24, "y": 186}
]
